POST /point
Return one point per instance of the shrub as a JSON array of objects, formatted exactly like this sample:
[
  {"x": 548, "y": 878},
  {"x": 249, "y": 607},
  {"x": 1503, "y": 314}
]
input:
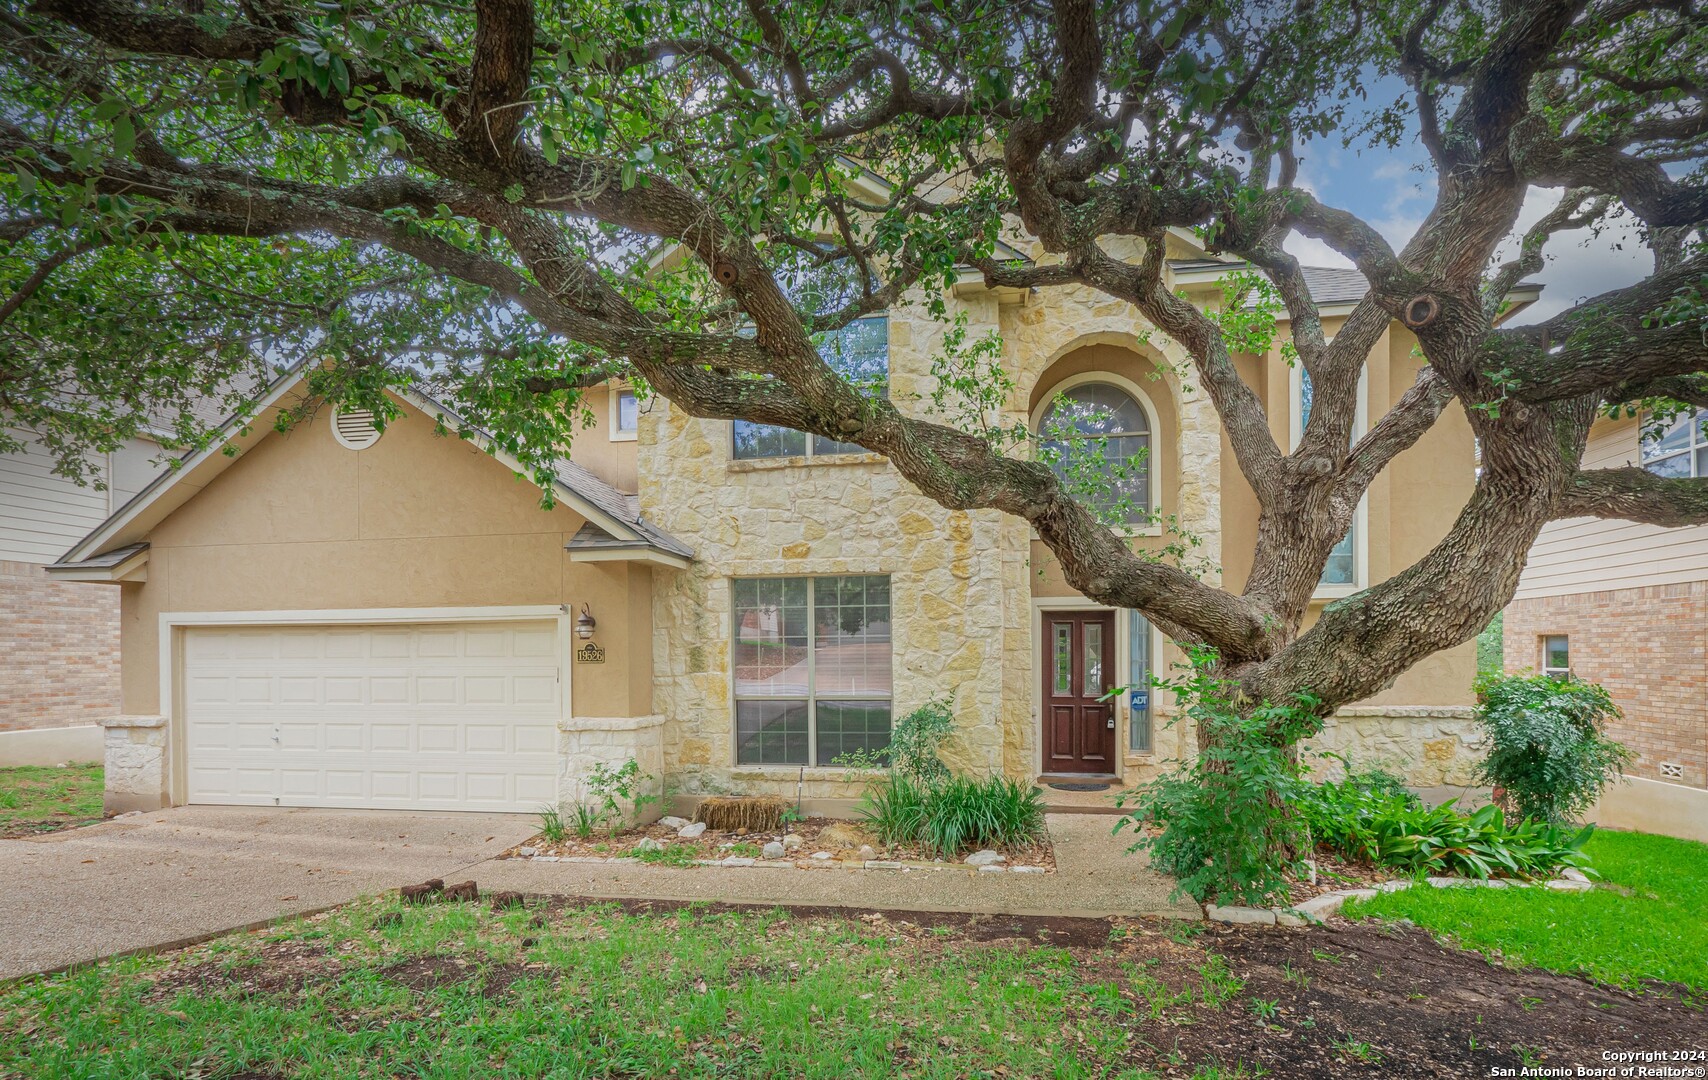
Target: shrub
[
  {"x": 1547, "y": 747},
  {"x": 953, "y": 816},
  {"x": 617, "y": 796},
  {"x": 1395, "y": 830},
  {"x": 914, "y": 742},
  {"x": 1228, "y": 825}
]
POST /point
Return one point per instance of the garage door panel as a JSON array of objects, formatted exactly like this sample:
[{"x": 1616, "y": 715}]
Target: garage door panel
[{"x": 434, "y": 717}]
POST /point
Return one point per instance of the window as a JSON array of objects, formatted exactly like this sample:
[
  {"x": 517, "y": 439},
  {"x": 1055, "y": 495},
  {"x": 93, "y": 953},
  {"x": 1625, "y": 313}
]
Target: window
[
  {"x": 1680, "y": 450},
  {"x": 625, "y": 414},
  {"x": 860, "y": 353},
  {"x": 812, "y": 668},
  {"x": 1342, "y": 565},
  {"x": 1139, "y": 677},
  {"x": 1556, "y": 656},
  {"x": 1101, "y": 426}
]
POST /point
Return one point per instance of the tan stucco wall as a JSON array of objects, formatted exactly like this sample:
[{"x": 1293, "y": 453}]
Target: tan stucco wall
[
  {"x": 298, "y": 522},
  {"x": 593, "y": 448}
]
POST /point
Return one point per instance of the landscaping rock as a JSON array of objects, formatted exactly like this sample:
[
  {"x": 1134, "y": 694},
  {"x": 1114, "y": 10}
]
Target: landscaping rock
[
  {"x": 884, "y": 864},
  {"x": 1285, "y": 917},
  {"x": 689, "y": 832},
  {"x": 647, "y": 843},
  {"x": 527, "y": 852},
  {"x": 1318, "y": 907},
  {"x": 1572, "y": 873},
  {"x": 987, "y": 857},
  {"x": 1026, "y": 870},
  {"x": 1393, "y": 886},
  {"x": 738, "y": 860},
  {"x": 774, "y": 850},
  {"x": 1565, "y": 885},
  {"x": 1254, "y": 916},
  {"x": 504, "y": 901},
  {"x": 867, "y": 852},
  {"x": 462, "y": 890},
  {"x": 793, "y": 841},
  {"x": 822, "y": 855},
  {"x": 992, "y": 868},
  {"x": 842, "y": 834},
  {"x": 672, "y": 821}
]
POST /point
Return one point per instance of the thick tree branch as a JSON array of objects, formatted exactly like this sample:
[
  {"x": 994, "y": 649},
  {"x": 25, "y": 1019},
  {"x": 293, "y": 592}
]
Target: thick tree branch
[{"x": 1635, "y": 494}]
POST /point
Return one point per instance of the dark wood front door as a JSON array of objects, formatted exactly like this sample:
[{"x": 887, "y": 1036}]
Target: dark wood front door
[{"x": 1079, "y": 669}]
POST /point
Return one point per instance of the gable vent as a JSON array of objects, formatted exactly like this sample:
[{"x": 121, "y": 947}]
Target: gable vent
[{"x": 355, "y": 429}]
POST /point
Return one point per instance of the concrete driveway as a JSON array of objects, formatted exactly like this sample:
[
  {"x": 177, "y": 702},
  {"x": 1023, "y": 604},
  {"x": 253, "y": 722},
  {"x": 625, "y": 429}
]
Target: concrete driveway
[{"x": 192, "y": 871}]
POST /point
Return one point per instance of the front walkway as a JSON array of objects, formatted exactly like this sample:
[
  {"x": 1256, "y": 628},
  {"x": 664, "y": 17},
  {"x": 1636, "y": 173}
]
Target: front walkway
[
  {"x": 1094, "y": 878},
  {"x": 173, "y": 876}
]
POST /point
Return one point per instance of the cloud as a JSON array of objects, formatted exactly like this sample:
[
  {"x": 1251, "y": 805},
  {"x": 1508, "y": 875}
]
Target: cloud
[{"x": 1578, "y": 264}]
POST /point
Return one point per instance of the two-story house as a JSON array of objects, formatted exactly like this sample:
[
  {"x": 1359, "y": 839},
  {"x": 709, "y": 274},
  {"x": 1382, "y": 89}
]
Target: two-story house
[
  {"x": 1625, "y": 605},
  {"x": 59, "y": 641},
  {"x": 341, "y": 617}
]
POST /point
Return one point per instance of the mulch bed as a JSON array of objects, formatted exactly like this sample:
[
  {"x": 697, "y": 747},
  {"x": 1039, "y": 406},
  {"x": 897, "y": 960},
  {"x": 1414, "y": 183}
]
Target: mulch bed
[{"x": 842, "y": 839}]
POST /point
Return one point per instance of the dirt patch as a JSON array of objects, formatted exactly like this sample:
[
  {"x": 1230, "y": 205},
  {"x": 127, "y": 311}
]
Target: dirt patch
[
  {"x": 285, "y": 967},
  {"x": 1340, "y": 1000},
  {"x": 52, "y": 823},
  {"x": 424, "y": 974},
  {"x": 842, "y": 839}
]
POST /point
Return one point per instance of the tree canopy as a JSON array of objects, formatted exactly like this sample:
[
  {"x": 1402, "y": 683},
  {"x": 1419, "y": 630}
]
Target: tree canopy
[{"x": 196, "y": 191}]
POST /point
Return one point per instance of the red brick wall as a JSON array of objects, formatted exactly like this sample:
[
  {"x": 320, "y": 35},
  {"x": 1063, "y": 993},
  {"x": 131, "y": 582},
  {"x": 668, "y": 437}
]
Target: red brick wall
[
  {"x": 1649, "y": 647},
  {"x": 59, "y": 650}
]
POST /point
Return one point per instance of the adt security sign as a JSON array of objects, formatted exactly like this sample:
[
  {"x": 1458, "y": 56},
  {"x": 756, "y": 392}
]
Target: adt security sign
[{"x": 1140, "y": 700}]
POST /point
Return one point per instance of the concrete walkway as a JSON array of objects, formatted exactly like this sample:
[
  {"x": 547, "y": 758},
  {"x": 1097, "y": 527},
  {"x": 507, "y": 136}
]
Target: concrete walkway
[
  {"x": 193, "y": 871},
  {"x": 1094, "y": 878}
]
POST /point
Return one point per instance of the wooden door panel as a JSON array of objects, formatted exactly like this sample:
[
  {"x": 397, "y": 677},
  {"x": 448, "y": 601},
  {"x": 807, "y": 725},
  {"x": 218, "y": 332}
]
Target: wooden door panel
[{"x": 1079, "y": 666}]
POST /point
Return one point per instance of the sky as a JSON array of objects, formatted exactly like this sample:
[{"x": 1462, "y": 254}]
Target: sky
[{"x": 1388, "y": 189}]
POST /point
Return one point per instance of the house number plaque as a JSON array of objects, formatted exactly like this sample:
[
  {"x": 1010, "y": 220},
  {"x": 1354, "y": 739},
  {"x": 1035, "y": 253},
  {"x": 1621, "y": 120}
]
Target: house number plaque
[{"x": 590, "y": 653}]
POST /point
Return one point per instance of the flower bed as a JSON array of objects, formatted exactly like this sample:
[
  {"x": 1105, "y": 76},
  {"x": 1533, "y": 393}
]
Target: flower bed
[{"x": 814, "y": 842}]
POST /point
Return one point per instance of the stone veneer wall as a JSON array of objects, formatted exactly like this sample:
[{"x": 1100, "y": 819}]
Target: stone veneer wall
[
  {"x": 135, "y": 763},
  {"x": 59, "y": 650},
  {"x": 1429, "y": 745},
  {"x": 1649, "y": 648},
  {"x": 586, "y": 741}
]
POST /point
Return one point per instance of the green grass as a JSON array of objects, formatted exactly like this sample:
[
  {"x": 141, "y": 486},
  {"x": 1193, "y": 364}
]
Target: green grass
[
  {"x": 38, "y": 799},
  {"x": 593, "y": 992},
  {"x": 1658, "y": 934}
]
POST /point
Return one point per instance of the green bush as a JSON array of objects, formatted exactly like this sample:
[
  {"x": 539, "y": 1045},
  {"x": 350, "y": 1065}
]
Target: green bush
[
  {"x": 1547, "y": 747},
  {"x": 914, "y": 742},
  {"x": 1229, "y": 828},
  {"x": 956, "y": 815},
  {"x": 1393, "y": 829}
]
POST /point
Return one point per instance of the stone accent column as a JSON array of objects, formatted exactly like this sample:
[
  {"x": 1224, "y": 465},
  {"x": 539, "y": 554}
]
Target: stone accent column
[
  {"x": 135, "y": 763},
  {"x": 584, "y": 741}
]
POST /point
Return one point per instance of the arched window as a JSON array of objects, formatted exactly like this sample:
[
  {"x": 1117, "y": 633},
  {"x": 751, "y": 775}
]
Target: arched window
[{"x": 1095, "y": 434}]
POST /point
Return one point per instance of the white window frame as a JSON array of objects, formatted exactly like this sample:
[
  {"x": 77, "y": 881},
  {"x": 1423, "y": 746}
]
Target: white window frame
[
  {"x": 736, "y": 697},
  {"x": 1697, "y": 442},
  {"x": 1134, "y": 391},
  {"x": 807, "y": 453},
  {"x": 1542, "y": 663},
  {"x": 617, "y": 433},
  {"x": 1360, "y": 516}
]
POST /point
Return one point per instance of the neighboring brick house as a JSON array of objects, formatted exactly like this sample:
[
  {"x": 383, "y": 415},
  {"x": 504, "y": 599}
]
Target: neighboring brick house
[
  {"x": 339, "y": 617},
  {"x": 1626, "y": 605},
  {"x": 59, "y": 649}
]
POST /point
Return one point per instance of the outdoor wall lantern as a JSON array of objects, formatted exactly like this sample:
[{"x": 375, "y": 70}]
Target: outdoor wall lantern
[{"x": 584, "y": 624}]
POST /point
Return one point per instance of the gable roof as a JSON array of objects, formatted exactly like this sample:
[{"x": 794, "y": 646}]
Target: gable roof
[
  {"x": 1330, "y": 286},
  {"x": 615, "y": 514}
]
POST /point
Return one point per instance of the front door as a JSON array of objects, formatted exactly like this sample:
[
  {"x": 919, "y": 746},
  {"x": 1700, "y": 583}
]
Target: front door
[{"x": 1079, "y": 670}]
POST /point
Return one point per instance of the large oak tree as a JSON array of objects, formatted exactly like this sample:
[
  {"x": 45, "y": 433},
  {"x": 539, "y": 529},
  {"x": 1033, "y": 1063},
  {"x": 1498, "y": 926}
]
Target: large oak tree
[{"x": 196, "y": 189}]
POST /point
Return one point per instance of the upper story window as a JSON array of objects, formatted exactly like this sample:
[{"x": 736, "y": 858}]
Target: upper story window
[
  {"x": 1342, "y": 565},
  {"x": 1096, "y": 436},
  {"x": 1680, "y": 450},
  {"x": 625, "y": 414},
  {"x": 860, "y": 353}
]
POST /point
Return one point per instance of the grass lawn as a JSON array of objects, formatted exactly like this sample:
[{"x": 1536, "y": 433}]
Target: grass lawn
[
  {"x": 570, "y": 988},
  {"x": 1659, "y": 933},
  {"x": 38, "y": 799}
]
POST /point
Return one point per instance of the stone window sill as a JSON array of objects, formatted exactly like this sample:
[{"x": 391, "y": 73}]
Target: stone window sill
[
  {"x": 814, "y": 772},
  {"x": 741, "y": 465}
]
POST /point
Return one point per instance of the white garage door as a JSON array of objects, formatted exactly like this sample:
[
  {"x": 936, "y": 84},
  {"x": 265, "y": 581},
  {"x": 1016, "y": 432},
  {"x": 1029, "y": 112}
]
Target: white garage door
[{"x": 445, "y": 716}]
